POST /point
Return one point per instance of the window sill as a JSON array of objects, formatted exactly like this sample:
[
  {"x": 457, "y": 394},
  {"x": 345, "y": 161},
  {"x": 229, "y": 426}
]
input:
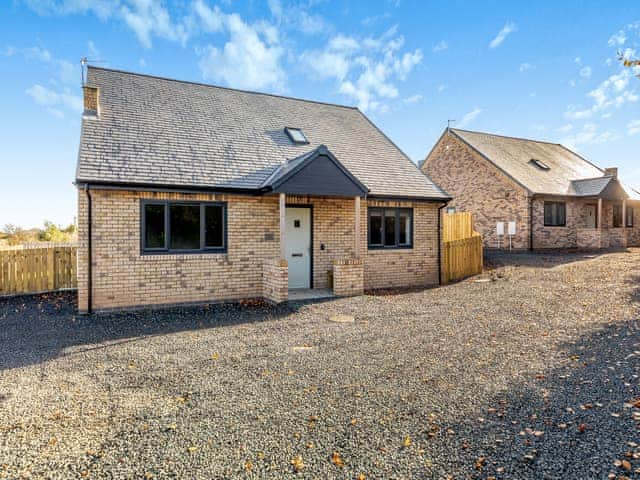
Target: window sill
[
  {"x": 555, "y": 226},
  {"x": 384, "y": 249},
  {"x": 181, "y": 254}
]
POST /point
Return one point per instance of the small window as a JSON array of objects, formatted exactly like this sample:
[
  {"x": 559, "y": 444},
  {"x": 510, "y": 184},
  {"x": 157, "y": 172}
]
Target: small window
[
  {"x": 154, "y": 226},
  {"x": 540, "y": 164},
  {"x": 296, "y": 135},
  {"x": 555, "y": 214},
  {"x": 617, "y": 216},
  {"x": 629, "y": 216},
  {"x": 185, "y": 227},
  {"x": 169, "y": 227},
  {"x": 375, "y": 227},
  {"x": 390, "y": 228}
]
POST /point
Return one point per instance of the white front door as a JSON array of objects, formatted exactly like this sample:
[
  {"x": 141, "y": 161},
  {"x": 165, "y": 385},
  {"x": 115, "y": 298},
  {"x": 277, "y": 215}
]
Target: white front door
[
  {"x": 298, "y": 246},
  {"x": 591, "y": 211}
]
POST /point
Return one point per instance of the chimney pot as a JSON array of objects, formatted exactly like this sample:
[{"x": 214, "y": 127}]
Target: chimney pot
[
  {"x": 91, "y": 100},
  {"x": 611, "y": 171}
]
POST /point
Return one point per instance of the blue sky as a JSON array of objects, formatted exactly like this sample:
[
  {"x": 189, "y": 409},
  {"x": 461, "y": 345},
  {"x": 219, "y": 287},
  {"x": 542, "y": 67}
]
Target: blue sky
[{"x": 543, "y": 69}]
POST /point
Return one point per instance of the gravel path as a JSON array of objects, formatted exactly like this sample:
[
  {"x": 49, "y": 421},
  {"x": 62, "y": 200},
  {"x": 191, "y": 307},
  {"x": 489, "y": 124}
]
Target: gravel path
[{"x": 529, "y": 372}]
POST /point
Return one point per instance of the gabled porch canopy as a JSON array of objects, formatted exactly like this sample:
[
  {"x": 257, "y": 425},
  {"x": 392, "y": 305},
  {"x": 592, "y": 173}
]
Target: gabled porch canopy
[
  {"x": 317, "y": 172},
  {"x": 605, "y": 188}
]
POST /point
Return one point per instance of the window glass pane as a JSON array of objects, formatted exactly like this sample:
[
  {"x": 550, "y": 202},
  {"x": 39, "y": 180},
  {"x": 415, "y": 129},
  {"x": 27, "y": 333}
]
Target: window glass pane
[
  {"x": 375, "y": 227},
  {"x": 617, "y": 215},
  {"x": 154, "y": 226},
  {"x": 548, "y": 213},
  {"x": 213, "y": 226},
  {"x": 185, "y": 227},
  {"x": 405, "y": 228},
  {"x": 390, "y": 228},
  {"x": 561, "y": 214}
]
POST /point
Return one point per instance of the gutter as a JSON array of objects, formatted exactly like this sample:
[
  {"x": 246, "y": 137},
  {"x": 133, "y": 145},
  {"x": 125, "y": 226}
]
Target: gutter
[
  {"x": 531, "y": 223},
  {"x": 440, "y": 241},
  {"x": 89, "y": 250}
]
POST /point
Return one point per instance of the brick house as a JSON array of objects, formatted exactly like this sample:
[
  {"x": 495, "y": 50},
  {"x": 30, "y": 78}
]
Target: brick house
[
  {"x": 190, "y": 193},
  {"x": 557, "y": 199}
]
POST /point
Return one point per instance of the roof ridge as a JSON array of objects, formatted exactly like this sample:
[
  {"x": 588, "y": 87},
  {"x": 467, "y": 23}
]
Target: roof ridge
[
  {"x": 525, "y": 139},
  {"x": 239, "y": 90}
]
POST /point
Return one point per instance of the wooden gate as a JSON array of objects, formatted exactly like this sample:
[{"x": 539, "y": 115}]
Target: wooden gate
[
  {"x": 462, "y": 251},
  {"x": 39, "y": 269}
]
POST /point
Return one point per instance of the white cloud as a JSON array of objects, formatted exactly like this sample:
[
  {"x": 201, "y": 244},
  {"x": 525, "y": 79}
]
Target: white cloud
[
  {"x": 589, "y": 135},
  {"x": 441, "y": 88},
  {"x": 366, "y": 69},
  {"x": 508, "y": 28},
  {"x": 617, "y": 39},
  {"x": 146, "y": 18},
  {"x": 412, "y": 99},
  {"x": 613, "y": 92},
  {"x": 585, "y": 72},
  {"x": 297, "y": 16},
  {"x": 469, "y": 117},
  {"x": 53, "y": 100},
  {"x": 633, "y": 128},
  {"x": 525, "y": 66},
  {"x": 440, "y": 46},
  {"x": 94, "y": 53},
  {"x": 249, "y": 59}
]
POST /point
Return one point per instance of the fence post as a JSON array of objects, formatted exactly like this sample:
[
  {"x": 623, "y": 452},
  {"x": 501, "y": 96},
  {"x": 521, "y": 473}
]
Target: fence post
[{"x": 51, "y": 262}]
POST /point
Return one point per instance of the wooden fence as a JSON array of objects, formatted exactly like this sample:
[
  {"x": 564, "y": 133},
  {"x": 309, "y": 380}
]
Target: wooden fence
[
  {"x": 34, "y": 270},
  {"x": 457, "y": 226},
  {"x": 462, "y": 254}
]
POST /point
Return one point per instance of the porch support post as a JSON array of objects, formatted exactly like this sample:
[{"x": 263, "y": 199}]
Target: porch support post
[
  {"x": 357, "y": 227},
  {"x": 624, "y": 213},
  {"x": 599, "y": 213},
  {"x": 283, "y": 225}
]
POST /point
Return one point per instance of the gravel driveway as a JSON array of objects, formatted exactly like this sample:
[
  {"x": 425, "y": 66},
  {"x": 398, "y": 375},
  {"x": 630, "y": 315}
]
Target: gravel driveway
[{"x": 529, "y": 372}]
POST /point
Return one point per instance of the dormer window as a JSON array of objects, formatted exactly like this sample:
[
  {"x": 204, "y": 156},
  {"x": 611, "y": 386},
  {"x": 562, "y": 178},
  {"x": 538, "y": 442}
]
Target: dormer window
[
  {"x": 296, "y": 136},
  {"x": 540, "y": 164}
]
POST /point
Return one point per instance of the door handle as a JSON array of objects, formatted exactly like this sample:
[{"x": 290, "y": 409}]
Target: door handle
[{"x": 296, "y": 254}]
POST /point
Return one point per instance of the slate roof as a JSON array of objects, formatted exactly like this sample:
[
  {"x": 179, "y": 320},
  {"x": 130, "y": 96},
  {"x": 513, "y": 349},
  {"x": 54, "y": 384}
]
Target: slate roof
[
  {"x": 513, "y": 156},
  {"x": 158, "y": 131},
  {"x": 590, "y": 187}
]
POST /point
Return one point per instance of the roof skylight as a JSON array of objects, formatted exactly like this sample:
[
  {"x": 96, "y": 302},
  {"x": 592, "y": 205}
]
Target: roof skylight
[
  {"x": 296, "y": 135},
  {"x": 540, "y": 164}
]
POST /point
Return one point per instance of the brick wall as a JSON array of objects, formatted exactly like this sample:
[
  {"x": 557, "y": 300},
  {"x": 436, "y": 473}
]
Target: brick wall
[
  {"x": 417, "y": 266},
  {"x": 122, "y": 277},
  {"x": 348, "y": 277},
  {"x": 477, "y": 186},
  {"x": 275, "y": 280}
]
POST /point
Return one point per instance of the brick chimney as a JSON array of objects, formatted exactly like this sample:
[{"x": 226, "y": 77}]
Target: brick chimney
[
  {"x": 91, "y": 101},
  {"x": 611, "y": 172}
]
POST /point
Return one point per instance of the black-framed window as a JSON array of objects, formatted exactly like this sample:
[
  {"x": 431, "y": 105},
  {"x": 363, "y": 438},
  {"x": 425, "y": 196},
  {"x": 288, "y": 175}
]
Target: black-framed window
[
  {"x": 183, "y": 227},
  {"x": 629, "y": 220},
  {"x": 555, "y": 214},
  {"x": 617, "y": 216},
  {"x": 390, "y": 228}
]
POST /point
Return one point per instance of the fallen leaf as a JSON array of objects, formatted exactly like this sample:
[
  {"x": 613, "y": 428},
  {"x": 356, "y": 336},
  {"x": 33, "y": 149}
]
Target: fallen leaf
[
  {"x": 248, "y": 466},
  {"x": 406, "y": 442},
  {"x": 361, "y": 476},
  {"x": 626, "y": 465},
  {"x": 215, "y": 356},
  {"x": 336, "y": 459},
  {"x": 582, "y": 427},
  {"x": 192, "y": 449},
  {"x": 297, "y": 463},
  {"x": 480, "y": 461}
]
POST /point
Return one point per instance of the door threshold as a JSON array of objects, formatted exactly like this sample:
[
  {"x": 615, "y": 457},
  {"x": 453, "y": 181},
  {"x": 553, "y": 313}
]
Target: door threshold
[{"x": 296, "y": 294}]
